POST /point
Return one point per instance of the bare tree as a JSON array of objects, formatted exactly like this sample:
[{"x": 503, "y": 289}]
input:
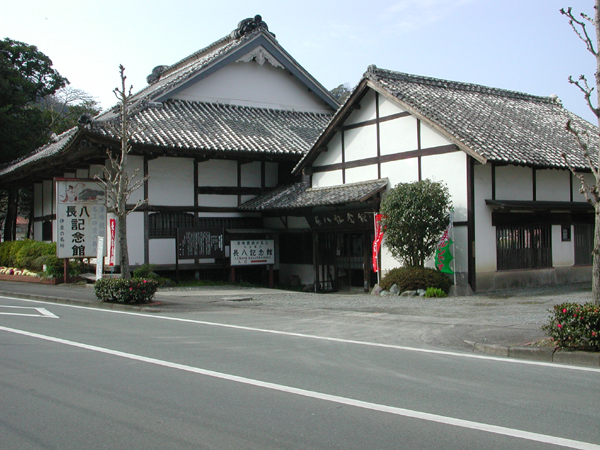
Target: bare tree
[
  {"x": 582, "y": 25},
  {"x": 117, "y": 182}
]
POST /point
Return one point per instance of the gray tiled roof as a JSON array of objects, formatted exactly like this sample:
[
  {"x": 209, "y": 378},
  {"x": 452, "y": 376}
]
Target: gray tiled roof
[
  {"x": 497, "y": 124},
  {"x": 301, "y": 195},
  {"x": 218, "y": 127}
]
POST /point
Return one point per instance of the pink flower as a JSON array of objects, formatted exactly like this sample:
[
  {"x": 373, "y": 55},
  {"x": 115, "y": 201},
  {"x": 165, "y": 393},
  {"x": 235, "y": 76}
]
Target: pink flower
[
  {"x": 131, "y": 289},
  {"x": 565, "y": 310},
  {"x": 559, "y": 325},
  {"x": 144, "y": 281}
]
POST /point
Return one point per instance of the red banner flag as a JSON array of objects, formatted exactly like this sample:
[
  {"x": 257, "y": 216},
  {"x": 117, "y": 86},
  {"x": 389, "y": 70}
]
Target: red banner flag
[{"x": 377, "y": 241}]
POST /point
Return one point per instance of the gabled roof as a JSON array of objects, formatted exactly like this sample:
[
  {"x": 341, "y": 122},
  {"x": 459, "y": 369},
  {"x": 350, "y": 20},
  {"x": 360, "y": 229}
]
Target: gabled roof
[
  {"x": 165, "y": 81},
  {"x": 301, "y": 195},
  {"x": 490, "y": 124}
]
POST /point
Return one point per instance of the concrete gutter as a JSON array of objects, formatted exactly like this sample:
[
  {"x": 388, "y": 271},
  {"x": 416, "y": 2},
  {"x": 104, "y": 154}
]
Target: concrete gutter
[{"x": 546, "y": 354}]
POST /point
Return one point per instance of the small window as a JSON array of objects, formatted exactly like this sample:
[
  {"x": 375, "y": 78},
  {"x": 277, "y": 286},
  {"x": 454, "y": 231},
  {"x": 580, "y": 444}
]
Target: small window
[
  {"x": 566, "y": 233},
  {"x": 47, "y": 230}
]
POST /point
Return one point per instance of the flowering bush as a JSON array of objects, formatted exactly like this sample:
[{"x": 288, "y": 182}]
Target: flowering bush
[
  {"x": 575, "y": 326},
  {"x": 135, "y": 290},
  {"x": 15, "y": 271}
]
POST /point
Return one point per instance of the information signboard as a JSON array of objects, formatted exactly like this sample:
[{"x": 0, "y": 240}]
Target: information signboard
[
  {"x": 200, "y": 243},
  {"x": 80, "y": 216},
  {"x": 252, "y": 252}
]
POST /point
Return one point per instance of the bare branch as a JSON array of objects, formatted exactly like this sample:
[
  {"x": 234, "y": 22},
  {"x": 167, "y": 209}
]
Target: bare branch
[{"x": 580, "y": 28}]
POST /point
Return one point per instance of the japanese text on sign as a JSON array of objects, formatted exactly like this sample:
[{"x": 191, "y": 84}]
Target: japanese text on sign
[
  {"x": 81, "y": 218},
  {"x": 200, "y": 243},
  {"x": 250, "y": 252}
]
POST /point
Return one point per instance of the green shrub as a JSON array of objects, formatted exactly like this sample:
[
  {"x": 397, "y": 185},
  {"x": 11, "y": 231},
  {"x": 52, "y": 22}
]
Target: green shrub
[
  {"x": 8, "y": 253},
  {"x": 134, "y": 290},
  {"x": 435, "y": 292},
  {"x": 413, "y": 278},
  {"x": 31, "y": 250},
  {"x": 575, "y": 326}
]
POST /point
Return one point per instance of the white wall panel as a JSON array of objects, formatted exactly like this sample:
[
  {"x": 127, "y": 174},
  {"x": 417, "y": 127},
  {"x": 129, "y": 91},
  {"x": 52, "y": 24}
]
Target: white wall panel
[
  {"x": 171, "y": 181},
  {"x": 514, "y": 183},
  {"x": 562, "y": 252},
  {"x": 48, "y": 194},
  {"x": 251, "y": 174},
  {"x": 387, "y": 107},
  {"x": 271, "y": 174},
  {"x": 360, "y": 143},
  {"x": 366, "y": 112},
  {"x": 577, "y": 196},
  {"x": 217, "y": 200},
  {"x": 37, "y": 200},
  {"x": 402, "y": 171},
  {"x": 217, "y": 172},
  {"x": 250, "y": 84},
  {"x": 323, "y": 179},
  {"x": 431, "y": 138},
  {"x": 553, "y": 185},
  {"x": 364, "y": 173},
  {"x": 485, "y": 233},
  {"x": 135, "y": 162},
  {"x": 334, "y": 153},
  {"x": 398, "y": 135},
  {"x": 451, "y": 169}
]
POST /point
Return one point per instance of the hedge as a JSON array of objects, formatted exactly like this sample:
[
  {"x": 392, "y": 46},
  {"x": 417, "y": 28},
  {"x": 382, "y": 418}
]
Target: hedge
[
  {"x": 134, "y": 290},
  {"x": 575, "y": 326}
]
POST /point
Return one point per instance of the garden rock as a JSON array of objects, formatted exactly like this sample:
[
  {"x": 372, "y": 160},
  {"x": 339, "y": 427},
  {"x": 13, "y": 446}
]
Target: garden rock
[
  {"x": 421, "y": 292},
  {"x": 394, "y": 290},
  {"x": 408, "y": 294},
  {"x": 376, "y": 290},
  {"x": 384, "y": 293}
]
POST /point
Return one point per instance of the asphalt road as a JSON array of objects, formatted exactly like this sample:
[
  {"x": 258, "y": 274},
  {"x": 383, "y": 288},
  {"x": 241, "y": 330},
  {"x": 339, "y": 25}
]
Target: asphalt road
[{"x": 84, "y": 378}]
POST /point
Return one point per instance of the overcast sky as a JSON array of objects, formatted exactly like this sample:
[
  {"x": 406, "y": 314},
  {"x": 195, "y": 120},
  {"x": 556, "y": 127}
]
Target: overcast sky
[{"x": 522, "y": 45}]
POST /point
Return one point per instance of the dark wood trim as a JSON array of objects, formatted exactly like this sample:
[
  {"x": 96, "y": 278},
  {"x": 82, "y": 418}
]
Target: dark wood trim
[
  {"x": 461, "y": 223},
  {"x": 190, "y": 209},
  {"x": 571, "y": 196},
  {"x": 376, "y": 121},
  {"x": 378, "y": 135},
  {"x": 44, "y": 218},
  {"x": 471, "y": 275},
  {"x": 343, "y": 157},
  {"x": 493, "y": 181},
  {"x": 387, "y": 158},
  {"x": 146, "y": 221},
  {"x": 419, "y": 149},
  {"x": 227, "y": 190}
]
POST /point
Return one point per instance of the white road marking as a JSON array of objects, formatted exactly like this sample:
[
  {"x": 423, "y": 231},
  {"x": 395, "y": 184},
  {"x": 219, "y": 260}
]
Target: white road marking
[
  {"x": 332, "y": 339},
  {"x": 478, "y": 426},
  {"x": 41, "y": 312}
]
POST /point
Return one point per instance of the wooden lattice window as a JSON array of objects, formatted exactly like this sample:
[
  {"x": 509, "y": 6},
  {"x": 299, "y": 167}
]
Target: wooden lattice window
[
  {"x": 164, "y": 225},
  {"x": 526, "y": 246}
]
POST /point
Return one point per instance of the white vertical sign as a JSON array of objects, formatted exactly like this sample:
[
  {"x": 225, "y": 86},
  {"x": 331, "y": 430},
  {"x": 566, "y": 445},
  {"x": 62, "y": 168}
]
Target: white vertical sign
[
  {"x": 80, "y": 217},
  {"x": 100, "y": 258}
]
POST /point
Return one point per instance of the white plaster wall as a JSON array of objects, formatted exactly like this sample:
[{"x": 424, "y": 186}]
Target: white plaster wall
[
  {"x": 398, "y": 135},
  {"x": 271, "y": 174},
  {"x": 136, "y": 162},
  {"x": 360, "y": 143},
  {"x": 552, "y": 185},
  {"x": 218, "y": 200},
  {"x": 485, "y": 233},
  {"x": 367, "y": 110},
  {"x": 171, "y": 181},
  {"x": 37, "y": 231},
  {"x": 451, "y": 169},
  {"x": 82, "y": 173},
  {"x": 250, "y": 84},
  {"x": 251, "y": 174},
  {"x": 37, "y": 200},
  {"x": 69, "y": 174},
  {"x": 298, "y": 222},
  {"x": 363, "y": 173},
  {"x": 48, "y": 194},
  {"x": 323, "y": 179},
  {"x": 402, "y": 171},
  {"x": 431, "y": 138},
  {"x": 387, "y": 107},
  {"x": 563, "y": 253},
  {"x": 334, "y": 153},
  {"x": 513, "y": 183},
  {"x": 135, "y": 237},
  {"x": 245, "y": 198},
  {"x": 217, "y": 172}
]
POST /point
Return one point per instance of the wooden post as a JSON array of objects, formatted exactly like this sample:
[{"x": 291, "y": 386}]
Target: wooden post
[
  {"x": 271, "y": 276},
  {"x": 66, "y": 270},
  {"x": 232, "y": 274}
]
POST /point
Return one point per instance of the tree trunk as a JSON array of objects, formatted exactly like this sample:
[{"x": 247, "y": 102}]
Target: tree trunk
[{"x": 10, "y": 223}]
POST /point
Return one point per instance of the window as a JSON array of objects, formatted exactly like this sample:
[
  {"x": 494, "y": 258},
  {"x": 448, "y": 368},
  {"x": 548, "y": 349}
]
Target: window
[
  {"x": 523, "y": 246},
  {"x": 295, "y": 248},
  {"x": 584, "y": 243},
  {"x": 47, "y": 230},
  {"x": 164, "y": 225}
]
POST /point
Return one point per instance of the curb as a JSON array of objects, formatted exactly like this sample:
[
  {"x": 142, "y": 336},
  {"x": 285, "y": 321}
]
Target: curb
[{"x": 546, "y": 354}]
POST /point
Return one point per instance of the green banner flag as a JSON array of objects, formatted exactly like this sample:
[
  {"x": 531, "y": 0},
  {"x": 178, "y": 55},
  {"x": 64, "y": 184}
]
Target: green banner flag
[{"x": 443, "y": 257}]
